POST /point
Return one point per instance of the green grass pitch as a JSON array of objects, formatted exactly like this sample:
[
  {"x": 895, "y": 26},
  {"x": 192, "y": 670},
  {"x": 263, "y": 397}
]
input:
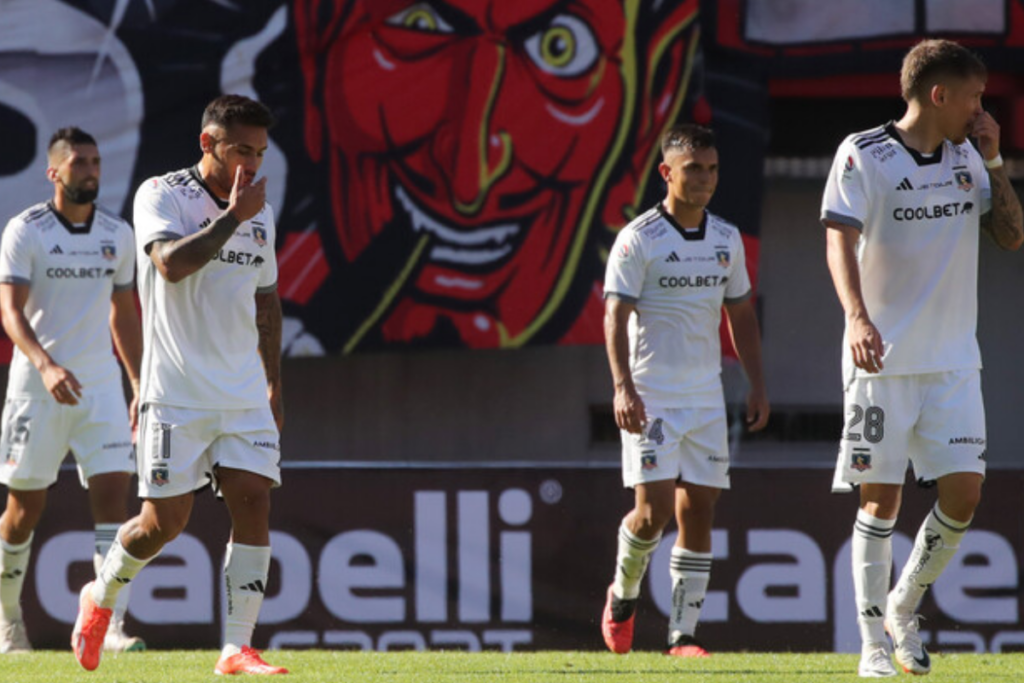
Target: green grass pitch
[{"x": 536, "y": 667}]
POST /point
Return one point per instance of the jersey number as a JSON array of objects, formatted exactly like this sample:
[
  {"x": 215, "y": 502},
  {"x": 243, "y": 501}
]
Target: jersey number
[{"x": 873, "y": 418}]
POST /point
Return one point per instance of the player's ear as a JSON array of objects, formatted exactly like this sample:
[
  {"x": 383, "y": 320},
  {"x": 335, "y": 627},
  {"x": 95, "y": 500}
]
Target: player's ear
[
  {"x": 938, "y": 94},
  {"x": 51, "y": 174},
  {"x": 665, "y": 170},
  {"x": 206, "y": 142}
]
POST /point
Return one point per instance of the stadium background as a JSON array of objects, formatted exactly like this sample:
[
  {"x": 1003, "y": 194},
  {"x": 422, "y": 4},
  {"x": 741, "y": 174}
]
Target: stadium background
[{"x": 446, "y": 193}]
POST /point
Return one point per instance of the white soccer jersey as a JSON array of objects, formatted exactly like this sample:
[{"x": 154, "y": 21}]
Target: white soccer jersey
[
  {"x": 918, "y": 249},
  {"x": 71, "y": 272},
  {"x": 678, "y": 281},
  {"x": 200, "y": 334}
]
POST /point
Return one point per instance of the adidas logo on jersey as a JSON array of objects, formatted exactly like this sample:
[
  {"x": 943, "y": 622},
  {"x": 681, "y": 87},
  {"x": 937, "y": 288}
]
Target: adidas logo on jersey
[
  {"x": 56, "y": 249},
  {"x": 905, "y": 185},
  {"x": 255, "y": 587},
  {"x": 672, "y": 258}
]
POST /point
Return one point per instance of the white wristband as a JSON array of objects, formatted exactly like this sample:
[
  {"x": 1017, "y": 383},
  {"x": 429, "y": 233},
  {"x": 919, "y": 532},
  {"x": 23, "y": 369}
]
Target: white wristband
[{"x": 995, "y": 162}]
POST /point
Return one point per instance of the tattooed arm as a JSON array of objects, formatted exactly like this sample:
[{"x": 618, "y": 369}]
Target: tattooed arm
[
  {"x": 1005, "y": 222},
  {"x": 268, "y": 322}
]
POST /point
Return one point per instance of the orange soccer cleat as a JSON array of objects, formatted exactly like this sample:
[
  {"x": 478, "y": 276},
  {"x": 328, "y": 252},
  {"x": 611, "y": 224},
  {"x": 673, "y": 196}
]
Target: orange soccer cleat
[
  {"x": 687, "y": 646},
  {"x": 248, "y": 661},
  {"x": 617, "y": 623},
  {"x": 90, "y": 630}
]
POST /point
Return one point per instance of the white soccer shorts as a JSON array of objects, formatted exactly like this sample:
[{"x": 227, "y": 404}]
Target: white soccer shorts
[
  {"x": 180, "y": 449},
  {"x": 685, "y": 444},
  {"x": 39, "y": 432},
  {"x": 935, "y": 421}
]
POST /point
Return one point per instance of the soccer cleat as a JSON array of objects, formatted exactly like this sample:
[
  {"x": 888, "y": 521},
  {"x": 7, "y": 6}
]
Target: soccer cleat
[
  {"x": 117, "y": 640},
  {"x": 248, "y": 661},
  {"x": 875, "y": 661},
  {"x": 687, "y": 646},
  {"x": 13, "y": 637},
  {"x": 90, "y": 630},
  {"x": 906, "y": 641},
  {"x": 617, "y": 623}
]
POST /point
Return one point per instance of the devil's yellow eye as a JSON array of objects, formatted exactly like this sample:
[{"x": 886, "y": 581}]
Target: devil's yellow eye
[
  {"x": 420, "y": 17},
  {"x": 565, "y": 47}
]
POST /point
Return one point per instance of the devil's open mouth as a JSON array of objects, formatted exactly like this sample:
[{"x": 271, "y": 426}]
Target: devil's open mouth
[{"x": 484, "y": 246}]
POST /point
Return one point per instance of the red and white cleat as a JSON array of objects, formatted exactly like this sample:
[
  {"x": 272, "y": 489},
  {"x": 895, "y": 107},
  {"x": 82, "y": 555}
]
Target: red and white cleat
[
  {"x": 90, "y": 630},
  {"x": 248, "y": 661}
]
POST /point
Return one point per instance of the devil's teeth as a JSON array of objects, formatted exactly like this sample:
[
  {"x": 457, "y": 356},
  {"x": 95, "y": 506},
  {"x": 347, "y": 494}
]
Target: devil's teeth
[{"x": 475, "y": 246}]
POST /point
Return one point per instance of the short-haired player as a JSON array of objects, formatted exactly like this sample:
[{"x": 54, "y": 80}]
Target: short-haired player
[{"x": 669, "y": 275}]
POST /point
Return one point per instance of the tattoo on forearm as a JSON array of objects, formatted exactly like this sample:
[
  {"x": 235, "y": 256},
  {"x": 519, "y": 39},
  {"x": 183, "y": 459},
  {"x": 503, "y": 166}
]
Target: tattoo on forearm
[
  {"x": 268, "y": 324},
  {"x": 1005, "y": 222}
]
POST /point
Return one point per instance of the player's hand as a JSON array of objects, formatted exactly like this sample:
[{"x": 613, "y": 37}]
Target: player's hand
[
  {"x": 630, "y": 413},
  {"x": 758, "y": 410},
  {"x": 247, "y": 199},
  {"x": 133, "y": 415},
  {"x": 986, "y": 131},
  {"x": 866, "y": 344},
  {"x": 62, "y": 384}
]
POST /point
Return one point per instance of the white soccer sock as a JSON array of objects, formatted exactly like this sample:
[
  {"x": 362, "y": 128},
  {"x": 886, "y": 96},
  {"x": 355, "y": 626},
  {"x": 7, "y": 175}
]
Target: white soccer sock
[
  {"x": 936, "y": 543},
  {"x": 872, "y": 569},
  {"x": 631, "y": 563},
  {"x": 13, "y": 567},
  {"x": 117, "y": 571},
  {"x": 105, "y": 535},
  {"x": 245, "y": 581},
  {"x": 690, "y": 572}
]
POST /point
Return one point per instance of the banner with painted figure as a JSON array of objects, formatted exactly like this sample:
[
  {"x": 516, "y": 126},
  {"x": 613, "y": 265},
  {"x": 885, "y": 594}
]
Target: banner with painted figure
[{"x": 444, "y": 172}]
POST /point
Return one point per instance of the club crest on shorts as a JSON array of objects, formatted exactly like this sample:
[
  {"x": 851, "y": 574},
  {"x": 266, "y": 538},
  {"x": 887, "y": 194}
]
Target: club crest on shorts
[
  {"x": 656, "y": 433},
  {"x": 861, "y": 461},
  {"x": 159, "y": 476},
  {"x": 648, "y": 460}
]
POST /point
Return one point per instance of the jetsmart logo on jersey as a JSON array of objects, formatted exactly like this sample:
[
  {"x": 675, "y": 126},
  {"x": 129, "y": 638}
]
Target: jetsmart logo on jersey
[
  {"x": 692, "y": 281},
  {"x": 242, "y": 258},
  {"x": 78, "y": 273},
  {"x": 917, "y": 213}
]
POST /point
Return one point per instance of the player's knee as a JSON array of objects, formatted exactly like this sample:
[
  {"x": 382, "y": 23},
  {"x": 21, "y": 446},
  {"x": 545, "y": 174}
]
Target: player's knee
[
  {"x": 649, "y": 520},
  {"x": 961, "y": 507}
]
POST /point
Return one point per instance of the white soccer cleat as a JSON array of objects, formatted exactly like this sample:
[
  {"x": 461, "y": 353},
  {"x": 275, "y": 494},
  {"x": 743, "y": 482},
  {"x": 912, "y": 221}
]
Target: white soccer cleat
[
  {"x": 13, "y": 637},
  {"x": 875, "y": 661},
  {"x": 117, "y": 640},
  {"x": 906, "y": 641}
]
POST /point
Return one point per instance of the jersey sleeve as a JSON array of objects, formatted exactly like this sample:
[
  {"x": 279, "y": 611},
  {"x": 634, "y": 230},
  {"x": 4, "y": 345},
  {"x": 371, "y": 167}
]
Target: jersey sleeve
[
  {"x": 624, "y": 277},
  {"x": 124, "y": 277},
  {"x": 738, "y": 288},
  {"x": 845, "y": 200},
  {"x": 157, "y": 215},
  {"x": 268, "y": 271},
  {"x": 16, "y": 253}
]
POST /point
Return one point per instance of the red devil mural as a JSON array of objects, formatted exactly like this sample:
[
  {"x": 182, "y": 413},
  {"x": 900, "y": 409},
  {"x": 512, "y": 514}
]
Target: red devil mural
[{"x": 474, "y": 157}]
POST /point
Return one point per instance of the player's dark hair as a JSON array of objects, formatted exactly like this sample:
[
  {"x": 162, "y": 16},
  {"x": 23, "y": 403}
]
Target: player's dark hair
[
  {"x": 72, "y": 135},
  {"x": 932, "y": 62},
  {"x": 685, "y": 136},
  {"x": 227, "y": 110}
]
